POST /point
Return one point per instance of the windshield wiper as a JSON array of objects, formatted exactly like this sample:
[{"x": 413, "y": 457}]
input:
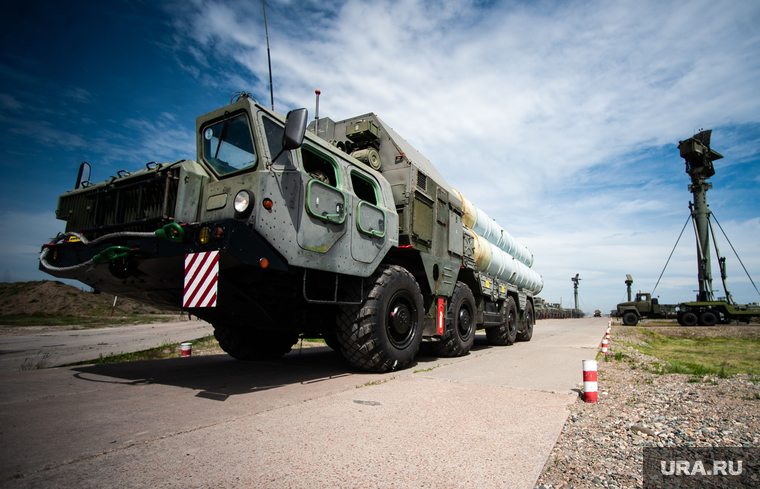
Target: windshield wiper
[{"x": 221, "y": 137}]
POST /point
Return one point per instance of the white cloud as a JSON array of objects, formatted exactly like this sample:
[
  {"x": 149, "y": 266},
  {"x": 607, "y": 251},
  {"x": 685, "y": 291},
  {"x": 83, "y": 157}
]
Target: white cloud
[
  {"x": 78, "y": 94},
  {"x": 560, "y": 120},
  {"x": 9, "y": 102}
]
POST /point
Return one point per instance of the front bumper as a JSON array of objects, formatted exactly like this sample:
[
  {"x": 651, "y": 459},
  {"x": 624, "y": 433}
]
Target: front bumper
[{"x": 152, "y": 269}]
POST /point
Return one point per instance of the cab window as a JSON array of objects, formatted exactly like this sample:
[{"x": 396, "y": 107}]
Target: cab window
[
  {"x": 370, "y": 219},
  {"x": 363, "y": 188},
  {"x": 273, "y": 132},
  {"x": 319, "y": 167},
  {"x": 324, "y": 199},
  {"x": 228, "y": 146}
]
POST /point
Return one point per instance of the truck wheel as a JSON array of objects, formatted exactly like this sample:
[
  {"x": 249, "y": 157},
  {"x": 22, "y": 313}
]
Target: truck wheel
[
  {"x": 689, "y": 319},
  {"x": 385, "y": 332},
  {"x": 630, "y": 319},
  {"x": 506, "y": 333},
  {"x": 460, "y": 325},
  {"x": 708, "y": 318},
  {"x": 250, "y": 344},
  {"x": 527, "y": 333}
]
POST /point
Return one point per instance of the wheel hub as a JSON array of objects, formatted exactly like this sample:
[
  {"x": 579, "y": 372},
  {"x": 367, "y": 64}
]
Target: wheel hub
[
  {"x": 400, "y": 320},
  {"x": 464, "y": 321}
]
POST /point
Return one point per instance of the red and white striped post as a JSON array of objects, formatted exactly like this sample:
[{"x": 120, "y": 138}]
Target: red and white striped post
[
  {"x": 604, "y": 346},
  {"x": 589, "y": 381},
  {"x": 607, "y": 335}
]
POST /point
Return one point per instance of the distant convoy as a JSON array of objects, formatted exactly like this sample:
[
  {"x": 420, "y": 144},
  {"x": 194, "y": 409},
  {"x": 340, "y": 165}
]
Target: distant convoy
[{"x": 546, "y": 310}]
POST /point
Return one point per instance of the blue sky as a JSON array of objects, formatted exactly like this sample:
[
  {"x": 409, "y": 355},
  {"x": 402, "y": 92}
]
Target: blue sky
[{"x": 560, "y": 119}]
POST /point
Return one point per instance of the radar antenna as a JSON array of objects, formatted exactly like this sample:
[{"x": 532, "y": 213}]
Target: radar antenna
[
  {"x": 699, "y": 165},
  {"x": 575, "y": 287}
]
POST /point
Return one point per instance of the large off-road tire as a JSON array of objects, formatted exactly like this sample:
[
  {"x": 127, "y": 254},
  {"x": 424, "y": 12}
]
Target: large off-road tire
[
  {"x": 630, "y": 319},
  {"x": 527, "y": 332},
  {"x": 689, "y": 319},
  {"x": 708, "y": 318},
  {"x": 505, "y": 333},
  {"x": 385, "y": 332},
  {"x": 459, "y": 333},
  {"x": 250, "y": 344}
]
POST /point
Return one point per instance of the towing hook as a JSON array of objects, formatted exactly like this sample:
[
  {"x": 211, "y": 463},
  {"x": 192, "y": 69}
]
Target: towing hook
[
  {"x": 111, "y": 254},
  {"x": 172, "y": 231}
]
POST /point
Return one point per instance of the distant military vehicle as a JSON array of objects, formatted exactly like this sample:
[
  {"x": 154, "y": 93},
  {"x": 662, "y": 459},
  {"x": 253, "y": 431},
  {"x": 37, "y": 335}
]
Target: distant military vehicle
[
  {"x": 597, "y": 313},
  {"x": 643, "y": 307},
  {"x": 345, "y": 231}
]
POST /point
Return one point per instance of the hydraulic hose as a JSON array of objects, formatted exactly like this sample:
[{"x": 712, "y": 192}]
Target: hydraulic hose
[{"x": 172, "y": 232}]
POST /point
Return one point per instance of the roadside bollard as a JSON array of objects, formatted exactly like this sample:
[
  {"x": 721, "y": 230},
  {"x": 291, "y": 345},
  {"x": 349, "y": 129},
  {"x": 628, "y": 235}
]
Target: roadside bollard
[
  {"x": 589, "y": 381},
  {"x": 604, "y": 346},
  {"x": 187, "y": 349},
  {"x": 607, "y": 335}
]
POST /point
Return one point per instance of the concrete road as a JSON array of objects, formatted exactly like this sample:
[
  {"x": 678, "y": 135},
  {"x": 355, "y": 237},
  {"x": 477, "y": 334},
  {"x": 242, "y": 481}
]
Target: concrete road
[
  {"x": 489, "y": 419},
  {"x": 67, "y": 347}
]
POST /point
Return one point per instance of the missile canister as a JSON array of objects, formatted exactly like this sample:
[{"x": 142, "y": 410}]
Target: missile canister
[
  {"x": 487, "y": 228},
  {"x": 492, "y": 260}
]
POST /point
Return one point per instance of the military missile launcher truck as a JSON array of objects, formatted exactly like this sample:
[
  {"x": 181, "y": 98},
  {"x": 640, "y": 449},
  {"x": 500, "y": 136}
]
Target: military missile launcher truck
[{"x": 344, "y": 231}]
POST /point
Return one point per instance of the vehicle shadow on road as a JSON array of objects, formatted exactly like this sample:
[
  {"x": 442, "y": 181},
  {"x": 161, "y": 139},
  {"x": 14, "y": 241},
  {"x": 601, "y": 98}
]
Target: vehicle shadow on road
[{"x": 220, "y": 376}]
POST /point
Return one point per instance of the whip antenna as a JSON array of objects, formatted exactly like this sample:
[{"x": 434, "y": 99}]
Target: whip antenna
[{"x": 269, "y": 56}]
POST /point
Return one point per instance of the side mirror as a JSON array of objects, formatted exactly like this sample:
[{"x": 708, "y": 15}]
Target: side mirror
[
  {"x": 295, "y": 128},
  {"x": 81, "y": 178}
]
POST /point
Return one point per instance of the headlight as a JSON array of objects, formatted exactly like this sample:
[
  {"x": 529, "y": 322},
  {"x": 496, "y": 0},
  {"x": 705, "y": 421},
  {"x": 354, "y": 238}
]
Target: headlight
[{"x": 243, "y": 201}]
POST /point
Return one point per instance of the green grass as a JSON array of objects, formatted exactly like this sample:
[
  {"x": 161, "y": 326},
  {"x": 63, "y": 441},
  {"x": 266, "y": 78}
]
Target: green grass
[
  {"x": 721, "y": 356},
  {"x": 166, "y": 350},
  {"x": 425, "y": 369}
]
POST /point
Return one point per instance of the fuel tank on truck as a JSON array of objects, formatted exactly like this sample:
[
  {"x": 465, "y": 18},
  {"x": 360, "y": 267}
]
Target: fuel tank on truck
[{"x": 487, "y": 228}]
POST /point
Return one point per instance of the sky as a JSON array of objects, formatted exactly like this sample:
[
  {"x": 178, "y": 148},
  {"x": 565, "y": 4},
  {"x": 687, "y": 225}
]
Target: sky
[{"x": 559, "y": 119}]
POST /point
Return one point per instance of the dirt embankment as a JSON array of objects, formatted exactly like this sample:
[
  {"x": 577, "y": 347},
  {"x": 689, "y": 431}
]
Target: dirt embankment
[
  {"x": 53, "y": 297},
  {"x": 31, "y": 307}
]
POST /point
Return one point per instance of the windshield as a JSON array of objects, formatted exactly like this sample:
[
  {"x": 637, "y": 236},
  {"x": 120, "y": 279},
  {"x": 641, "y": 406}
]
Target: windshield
[{"x": 227, "y": 145}]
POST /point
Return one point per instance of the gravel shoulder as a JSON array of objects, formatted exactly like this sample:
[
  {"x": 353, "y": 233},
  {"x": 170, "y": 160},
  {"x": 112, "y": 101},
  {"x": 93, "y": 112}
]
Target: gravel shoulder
[{"x": 601, "y": 444}]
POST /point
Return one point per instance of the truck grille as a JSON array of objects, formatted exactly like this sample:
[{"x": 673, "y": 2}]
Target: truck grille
[{"x": 142, "y": 203}]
